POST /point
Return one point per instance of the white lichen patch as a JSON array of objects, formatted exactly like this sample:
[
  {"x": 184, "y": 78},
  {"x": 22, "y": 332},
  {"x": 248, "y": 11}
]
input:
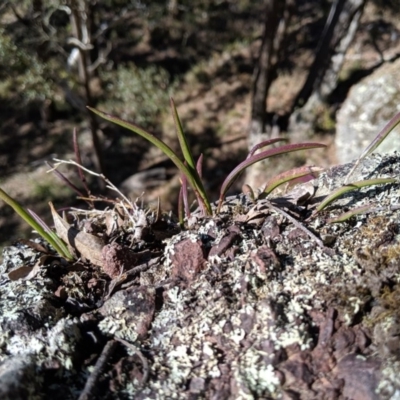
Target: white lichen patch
[
  {"x": 254, "y": 316},
  {"x": 388, "y": 387},
  {"x": 259, "y": 376}
]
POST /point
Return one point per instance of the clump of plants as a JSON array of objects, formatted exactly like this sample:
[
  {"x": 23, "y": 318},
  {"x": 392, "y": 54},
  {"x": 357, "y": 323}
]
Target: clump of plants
[
  {"x": 90, "y": 246},
  {"x": 191, "y": 170}
]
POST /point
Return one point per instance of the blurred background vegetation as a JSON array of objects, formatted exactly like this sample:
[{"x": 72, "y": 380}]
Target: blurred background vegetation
[{"x": 128, "y": 58}]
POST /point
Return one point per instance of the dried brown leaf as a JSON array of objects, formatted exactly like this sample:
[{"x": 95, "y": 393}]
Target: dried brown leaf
[{"x": 89, "y": 246}]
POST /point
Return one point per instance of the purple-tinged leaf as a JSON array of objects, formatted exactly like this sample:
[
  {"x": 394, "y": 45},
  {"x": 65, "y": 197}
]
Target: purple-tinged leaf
[
  {"x": 189, "y": 162},
  {"x": 264, "y": 144},
  {"x": 47, "y": 229},
  {"x": 199, "y": 166},
  {"x": 185, "y": 196},
  {"x": 28, "y": 218},
  {"x": 180, "y": 207},
  {"x": 65, "y": 180},
  {"x": 305, "y": 173},
  {"x": 78, "y": 159},
  {"x": 261, "y": 156},
  {"x": 39, "y": 221},
  {"x": 248, "y": 191},
  {"x": 352, "y": 186}
]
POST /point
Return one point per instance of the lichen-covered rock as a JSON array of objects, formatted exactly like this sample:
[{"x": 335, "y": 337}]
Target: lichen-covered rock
[
  {"x": 265, "y": 300},
  {"x": 366, "y": 110},
  {"x": 17, "y": 379}
]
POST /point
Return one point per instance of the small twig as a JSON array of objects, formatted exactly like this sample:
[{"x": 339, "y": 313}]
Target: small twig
[
  {"x": 297, "y": 224},
  {"x": 143, "y": 267},
  {"x": 121, "y": 279},
  {"x": 143, "y": 359},
  {"x": 91, "y": 383},
  {"x": 101, "y": 176}
]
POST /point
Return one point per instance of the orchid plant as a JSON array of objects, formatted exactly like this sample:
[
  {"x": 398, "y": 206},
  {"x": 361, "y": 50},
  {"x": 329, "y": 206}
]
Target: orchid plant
[
  {"x": 192, "y": 171},
  {"x": 191, "y": 174}
]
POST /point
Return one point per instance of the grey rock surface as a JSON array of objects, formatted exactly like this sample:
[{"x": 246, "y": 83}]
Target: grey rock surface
[
  {"x": 245, "y": 305},
  {"x": 369, "y": 105},
  {"x": 17, "y": 379}
]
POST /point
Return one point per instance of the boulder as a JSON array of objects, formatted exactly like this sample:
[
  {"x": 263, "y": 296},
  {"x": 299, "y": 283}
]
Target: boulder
[
  {"x": 368, "y": 107},
  {"x": 267, "y": 299}
]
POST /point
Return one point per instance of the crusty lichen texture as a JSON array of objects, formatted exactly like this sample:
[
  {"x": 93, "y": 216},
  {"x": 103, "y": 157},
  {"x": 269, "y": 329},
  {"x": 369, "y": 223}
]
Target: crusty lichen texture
[{"x": 247, "y": 305}]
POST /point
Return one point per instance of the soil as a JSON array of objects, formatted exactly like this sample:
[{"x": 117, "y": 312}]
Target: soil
[{"x": 266, "y": 299}]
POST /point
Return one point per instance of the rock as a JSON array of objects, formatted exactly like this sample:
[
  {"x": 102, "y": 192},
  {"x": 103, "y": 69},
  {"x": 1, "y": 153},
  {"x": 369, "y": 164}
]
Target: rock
[
  {"x": 17, "y": 379},
  {"x": 281, "y": 316},
  {"x": 366, "y": 110}
]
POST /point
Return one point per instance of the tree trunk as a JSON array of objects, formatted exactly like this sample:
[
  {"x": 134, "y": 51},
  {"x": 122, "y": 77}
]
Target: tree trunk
[
  {"x": 80, "y": 22},
  {"x": 264, "y": 71},
  {"x": 339, "y": 31}
]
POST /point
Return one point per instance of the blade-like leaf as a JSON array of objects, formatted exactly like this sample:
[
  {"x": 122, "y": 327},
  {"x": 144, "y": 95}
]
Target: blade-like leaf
[
  {"x": 248, "y": 191},
  {"x": 264, "y": 144},
  {"x": 78, "y": 159},
  {"x": 310, "y": 172},
  {"x": 65, "y": 180},
  {"x": 197, "y": 186},
  {"x": 347, "y": 215},
  {"x": 382, "y": 135},
  {"x": 199, "y": 166},
  {"x": 53, "y": 235},
  {"x": 180, "y": 208},
  {"x": 20, "y": 210},
  {"x": 185, "y": 196},
  {"x": 352, "y": 186},
  {"x": 187, "y": 154},
  {"x": 261, "y": 156}
]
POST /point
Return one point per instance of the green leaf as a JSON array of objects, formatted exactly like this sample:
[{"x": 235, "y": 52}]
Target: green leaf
[
  {"x": 49, "y": 236},
  {"x": 187, "y": 155},
  {"x": 347, "y": 215},
  {"x": 352, "y": 186},
  {"x": 191, "y": 177}
]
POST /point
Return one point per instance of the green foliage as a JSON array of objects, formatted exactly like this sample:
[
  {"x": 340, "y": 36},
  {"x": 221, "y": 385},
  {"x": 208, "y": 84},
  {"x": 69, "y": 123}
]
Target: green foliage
[
  {"x": 136, "y": 93},
  {"x": 350, "y": 187},
  {"x": 191, "y": 172},
  {"x": 44, "y": 231},
  {"x": 22, "y": 73}
]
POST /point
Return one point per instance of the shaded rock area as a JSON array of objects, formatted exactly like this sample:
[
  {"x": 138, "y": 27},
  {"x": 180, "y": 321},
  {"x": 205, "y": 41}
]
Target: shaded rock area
[
  {"x": 267, "y": 300},
  {"x": 366, "y": 110}
]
